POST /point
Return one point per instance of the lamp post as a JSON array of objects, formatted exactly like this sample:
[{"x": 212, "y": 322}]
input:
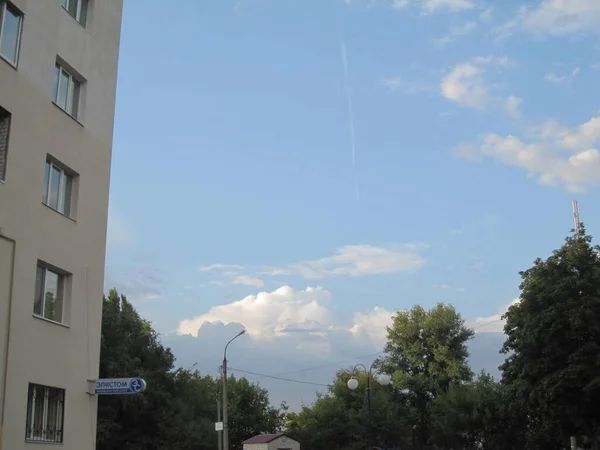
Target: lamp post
[
  {"x": 383, "y": 379},
  {"x": 225, "y": 418}
]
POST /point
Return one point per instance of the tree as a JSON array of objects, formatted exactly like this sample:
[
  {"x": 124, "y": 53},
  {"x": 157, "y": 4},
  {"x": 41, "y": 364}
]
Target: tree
[
  {"x": 339, "y": 419},
  {"x": 553, "y": 342},
  {"x": 250, "y": 412},
  {"x": 475, "y": 415},
  {"x": 130, "y": 347},
  {"x": 426, "y": 352},
  {"x": 178, "y": 409}
]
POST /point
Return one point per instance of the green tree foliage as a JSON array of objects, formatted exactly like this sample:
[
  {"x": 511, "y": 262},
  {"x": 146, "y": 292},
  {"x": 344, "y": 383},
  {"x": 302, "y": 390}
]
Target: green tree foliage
[
  {"x": 178, "y": 409},
  {"x": 477, "y": 414},
  {"x": 340, "y": 419},
  {"x": 426, "y": 352},
  {"x": 553, "y": 343}
]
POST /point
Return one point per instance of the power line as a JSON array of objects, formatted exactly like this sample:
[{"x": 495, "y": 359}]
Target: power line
[
  {"x": 278, "y": 378},
  {"x": 329, "y": 364},
  {"x": 308, "y": 369}
]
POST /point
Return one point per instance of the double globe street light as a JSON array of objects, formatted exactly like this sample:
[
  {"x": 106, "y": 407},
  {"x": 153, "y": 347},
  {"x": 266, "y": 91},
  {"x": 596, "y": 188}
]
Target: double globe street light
[{"x": 382, "y": 378}]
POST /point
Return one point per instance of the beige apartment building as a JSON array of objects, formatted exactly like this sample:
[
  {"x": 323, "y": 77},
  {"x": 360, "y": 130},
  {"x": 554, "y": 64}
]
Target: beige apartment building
[{"x": 58, "y": 75}]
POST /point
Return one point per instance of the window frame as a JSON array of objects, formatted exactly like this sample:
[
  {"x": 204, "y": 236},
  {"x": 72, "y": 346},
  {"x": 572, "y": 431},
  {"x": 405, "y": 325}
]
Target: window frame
[
  {"x": 59, "y": 70},
  {"x": 61, "y": 292},
  {"x": 79, "y": 8},
  {"x": 64, "y": 176},
  {"x": 4, "y": 114},
  {"x": 30, "y": 422},
  {"x": 4, "y": 6}
]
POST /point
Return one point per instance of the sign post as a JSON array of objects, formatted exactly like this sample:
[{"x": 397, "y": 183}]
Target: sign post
[{"x": 120, "y": 386}]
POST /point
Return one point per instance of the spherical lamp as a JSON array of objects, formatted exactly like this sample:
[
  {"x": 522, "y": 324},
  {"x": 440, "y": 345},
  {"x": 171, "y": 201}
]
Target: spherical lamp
[
  {"x": 352, "y": 384},
  {"x": 384, "y": 379}
]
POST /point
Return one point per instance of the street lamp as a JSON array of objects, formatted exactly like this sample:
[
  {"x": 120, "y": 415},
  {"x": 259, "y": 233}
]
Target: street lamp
[
  {"x": 382, "y": 378},
  {"x": 225, "y": 423}
]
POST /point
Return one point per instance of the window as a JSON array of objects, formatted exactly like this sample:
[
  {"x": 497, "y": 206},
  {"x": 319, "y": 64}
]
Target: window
[
  {"x": 77, "y": 8},
  {"x": 66, "y": 91},
  {"x": 49, "y": 294},
  {"x": 58, "y": 188},
  {"x": 4, "y": 132},
  {"x": 10, "y": 32},
  {"x": 45, "y": 414}
]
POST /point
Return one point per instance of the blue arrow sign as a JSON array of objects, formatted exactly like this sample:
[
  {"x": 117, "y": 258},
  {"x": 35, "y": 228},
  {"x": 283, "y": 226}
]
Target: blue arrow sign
[{"x": 106, "y": 386}]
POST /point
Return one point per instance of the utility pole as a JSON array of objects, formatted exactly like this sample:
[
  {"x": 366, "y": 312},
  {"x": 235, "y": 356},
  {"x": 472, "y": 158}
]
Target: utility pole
[
  {"x": 225, "y": 400},
  {"x": 220, "y": 432}
]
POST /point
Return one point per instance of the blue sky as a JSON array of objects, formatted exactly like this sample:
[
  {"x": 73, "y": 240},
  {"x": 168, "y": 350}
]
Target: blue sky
[{"x": 305, "y": 168}]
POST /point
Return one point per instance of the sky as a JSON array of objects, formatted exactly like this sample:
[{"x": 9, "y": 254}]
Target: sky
[{"x": 302, "y": 169}]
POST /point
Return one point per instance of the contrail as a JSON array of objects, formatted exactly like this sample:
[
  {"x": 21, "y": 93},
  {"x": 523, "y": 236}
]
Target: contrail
[{"x": 350, "y": 114}]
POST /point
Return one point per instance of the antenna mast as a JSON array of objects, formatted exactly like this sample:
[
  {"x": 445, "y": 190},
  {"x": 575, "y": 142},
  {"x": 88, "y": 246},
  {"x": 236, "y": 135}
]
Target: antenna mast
[{"x": 576, "y": 217}]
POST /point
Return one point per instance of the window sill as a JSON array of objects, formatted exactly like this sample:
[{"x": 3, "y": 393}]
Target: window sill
[
  {"x": 64, "y": 325},
  {"x": 66, "y": 113},
  {"x": 82, "y": 25},
  {"x": 11, "y": 64},
  {"x": 58, "y": 212},
  {"x": 31, "y": 441}
]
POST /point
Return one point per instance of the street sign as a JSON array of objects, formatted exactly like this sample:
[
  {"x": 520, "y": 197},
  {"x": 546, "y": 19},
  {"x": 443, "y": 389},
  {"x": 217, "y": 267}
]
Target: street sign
[
  {"x": 120, "y": 386},
  {"x": 218, "y": 426}
]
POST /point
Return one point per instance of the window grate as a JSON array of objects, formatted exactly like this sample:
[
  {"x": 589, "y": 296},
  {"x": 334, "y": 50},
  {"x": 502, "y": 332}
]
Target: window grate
[{"x": 45, "y": 414}]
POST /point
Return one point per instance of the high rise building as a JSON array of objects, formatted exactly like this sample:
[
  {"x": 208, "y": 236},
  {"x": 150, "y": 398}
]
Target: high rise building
[{"x": 58, "y": 76}]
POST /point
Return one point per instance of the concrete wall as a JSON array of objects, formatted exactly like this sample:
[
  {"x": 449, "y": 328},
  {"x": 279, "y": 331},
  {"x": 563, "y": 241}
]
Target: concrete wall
[
  {"x": 256, "y": 446},
  {"x": 42, "y": 352},
  {"x": 284, "y": 442}
]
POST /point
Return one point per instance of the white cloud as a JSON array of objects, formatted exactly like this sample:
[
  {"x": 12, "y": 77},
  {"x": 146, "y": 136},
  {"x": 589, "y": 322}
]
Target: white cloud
[
  {"x": 247, "y": 280},
  {"x": 392, "y": 83},
  {"x": 555, "y": 18},
  {"x": 269, "y": 314},
  {"x": 399, "y": 4},
  {"x": 427, "y": 6},
  {"x": 448, "y": 5},
  {"x": 408, "y": 87},
  {"x": 466, "y": 85},
  {"x": 557, "y": 157},
  {"x": 512, "y": 104},
  {"x": 357, "y": 261},
  {"x": 219, "y": 266},
  {"x": 553, "y": 78},
  {"x": 487, "y": 15},
  {"x": 287, "y": 312},
  {"x": 372, "y": 325},
  {"x": 493, "y": 323},
  {"x": 454, "y": 33},
  {"x": 138, "y": 284}
]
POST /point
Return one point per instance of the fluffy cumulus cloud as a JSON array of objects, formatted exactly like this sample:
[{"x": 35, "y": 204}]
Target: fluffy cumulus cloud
[
  {"x": 467, "y": 86},
  {"x": 357, "y": 261},
  {"x": 295, "y": 335},
  {"x": 493, "y": 323},
  {"x": 555, "y": 156},
  {"x": 270, "y": 314},
  {"x": 372, "y": 325},
  {"x": 554, "y": 18}
]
